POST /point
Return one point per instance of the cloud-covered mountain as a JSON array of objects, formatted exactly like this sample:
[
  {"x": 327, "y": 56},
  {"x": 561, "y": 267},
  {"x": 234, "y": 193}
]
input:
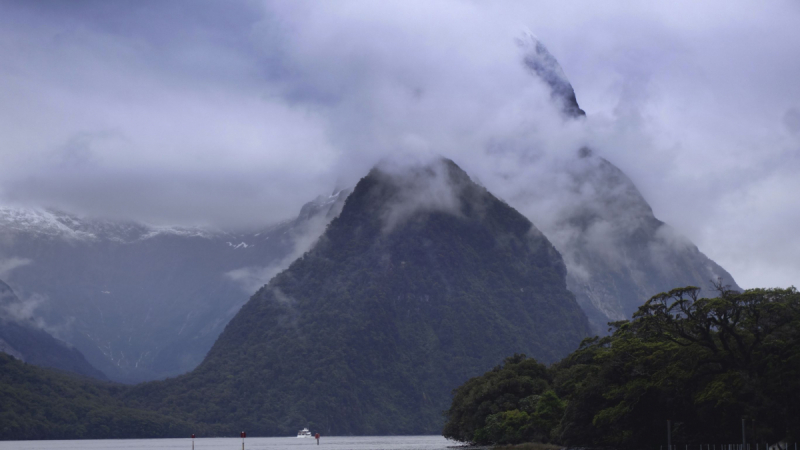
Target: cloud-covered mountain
[
  {"x": 144, "y": 302},
  {"x": 424, "y": 280},
  {"x": 618, "y": 254}
]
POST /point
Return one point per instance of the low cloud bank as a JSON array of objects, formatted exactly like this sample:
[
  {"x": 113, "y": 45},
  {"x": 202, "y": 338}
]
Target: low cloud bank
[{"x": 235, "y": 115}]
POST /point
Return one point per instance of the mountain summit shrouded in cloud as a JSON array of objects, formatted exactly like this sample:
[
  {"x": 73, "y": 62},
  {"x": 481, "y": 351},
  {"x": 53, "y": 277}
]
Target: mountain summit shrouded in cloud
[
  {"x": 419, "y": 284},
  {"x": 545, "y": 66},
  {"x": 234, "y": 114},
  {"x": 617, "y": 253},
  {"x": 172, "y": 289}
]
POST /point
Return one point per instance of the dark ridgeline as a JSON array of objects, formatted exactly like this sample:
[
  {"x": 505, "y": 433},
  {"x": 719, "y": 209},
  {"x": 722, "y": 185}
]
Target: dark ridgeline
[
  {"x": 26, "y": 341},
  {"x": 396, "y": 305}
]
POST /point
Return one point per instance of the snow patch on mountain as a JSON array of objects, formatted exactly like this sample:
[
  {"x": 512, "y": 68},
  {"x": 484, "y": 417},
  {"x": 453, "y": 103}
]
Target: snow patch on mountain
[{"x": 57, "y": 224}]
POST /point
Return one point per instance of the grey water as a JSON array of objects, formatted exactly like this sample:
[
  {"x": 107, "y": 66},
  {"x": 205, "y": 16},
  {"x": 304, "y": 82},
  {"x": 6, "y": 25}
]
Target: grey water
[{"x": 291, "y": 443}]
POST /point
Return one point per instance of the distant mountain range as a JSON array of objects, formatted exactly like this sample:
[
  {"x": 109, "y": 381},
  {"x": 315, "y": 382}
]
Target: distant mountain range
[{"x": 144, "y": 302}]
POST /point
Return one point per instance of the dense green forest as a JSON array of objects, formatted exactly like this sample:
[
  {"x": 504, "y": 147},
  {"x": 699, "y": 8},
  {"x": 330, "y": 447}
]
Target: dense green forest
[
  {"x": 705, "y": 364},
  {"x": 369, "y": 331},
  {"x": 37, "y": 403}
]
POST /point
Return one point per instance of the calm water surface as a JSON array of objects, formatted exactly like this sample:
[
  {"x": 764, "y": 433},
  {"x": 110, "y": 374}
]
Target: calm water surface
[{"x": 290, "y": 443}]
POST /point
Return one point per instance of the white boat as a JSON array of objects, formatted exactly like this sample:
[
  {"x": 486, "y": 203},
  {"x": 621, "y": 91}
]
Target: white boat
[{"x": 304, "y": 433}]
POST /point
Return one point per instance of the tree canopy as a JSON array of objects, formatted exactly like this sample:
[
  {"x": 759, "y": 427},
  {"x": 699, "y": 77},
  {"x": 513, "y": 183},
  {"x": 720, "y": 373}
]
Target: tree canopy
[{"x": 705, "y": 364}]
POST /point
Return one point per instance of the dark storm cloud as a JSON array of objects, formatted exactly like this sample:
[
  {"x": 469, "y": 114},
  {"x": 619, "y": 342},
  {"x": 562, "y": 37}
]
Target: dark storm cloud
[{"x": 234, "y": 114}]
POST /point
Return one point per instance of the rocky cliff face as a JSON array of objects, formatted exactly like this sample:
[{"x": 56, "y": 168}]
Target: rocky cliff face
[{"x": 423, "y": 281}]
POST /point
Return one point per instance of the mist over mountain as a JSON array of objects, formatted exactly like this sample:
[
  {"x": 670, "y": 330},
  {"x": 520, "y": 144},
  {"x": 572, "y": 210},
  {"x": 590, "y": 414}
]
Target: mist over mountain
[
  {"x": 144, "y": 302},
  {"x": 618, "y": 254},
  {"x": 424, "y": 280},
  {"x": 23, "y": 339}
]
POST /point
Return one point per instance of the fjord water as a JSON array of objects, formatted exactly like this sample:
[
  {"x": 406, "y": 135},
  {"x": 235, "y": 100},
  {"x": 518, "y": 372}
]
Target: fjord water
[{"x": 292, "y": 443}]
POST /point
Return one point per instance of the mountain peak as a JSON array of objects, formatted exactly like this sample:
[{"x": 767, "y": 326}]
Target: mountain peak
[
  {"x": 424, "y": 280},
  {"x": 542, "y": 63},
  {"x": 399, "y": 190}
]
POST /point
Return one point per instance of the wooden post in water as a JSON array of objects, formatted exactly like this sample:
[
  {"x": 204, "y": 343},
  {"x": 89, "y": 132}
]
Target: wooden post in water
[
  {"x": 669, "y": 435},
  {"x": 193, "y": 442},
  {"x": 243, "y": 435}
]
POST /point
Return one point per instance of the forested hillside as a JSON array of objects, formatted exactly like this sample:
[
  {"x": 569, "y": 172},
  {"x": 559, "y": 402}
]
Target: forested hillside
[
  {"x": 423, "y": 281},
  {"x": 38, "y": 403}
]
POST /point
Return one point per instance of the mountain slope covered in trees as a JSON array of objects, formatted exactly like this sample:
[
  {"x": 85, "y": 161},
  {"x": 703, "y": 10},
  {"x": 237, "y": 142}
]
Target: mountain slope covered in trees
[
  {"x": 37, "y": 403},
  {"x": 424, "y": 280}
]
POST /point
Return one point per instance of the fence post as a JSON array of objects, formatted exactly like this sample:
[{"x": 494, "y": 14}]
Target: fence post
[{"x": 669, "y": 435}]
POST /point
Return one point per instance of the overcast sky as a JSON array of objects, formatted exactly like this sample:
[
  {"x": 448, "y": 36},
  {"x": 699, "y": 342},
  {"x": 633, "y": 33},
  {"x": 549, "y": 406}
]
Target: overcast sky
[{"x": 236, "y": 113}]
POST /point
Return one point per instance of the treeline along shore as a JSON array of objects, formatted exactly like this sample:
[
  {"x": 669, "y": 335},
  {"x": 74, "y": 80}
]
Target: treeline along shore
[{"x": 712, "y": 369}]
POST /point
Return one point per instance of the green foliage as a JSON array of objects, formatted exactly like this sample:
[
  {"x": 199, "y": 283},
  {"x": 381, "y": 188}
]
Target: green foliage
[
  {"x": 511, "y": 403},
  {"x": 701, "y": 363},
  {"x": 507, "y": 427},
  {"x": 38, "y": 403},
  {"x": 549, "y": 410}
]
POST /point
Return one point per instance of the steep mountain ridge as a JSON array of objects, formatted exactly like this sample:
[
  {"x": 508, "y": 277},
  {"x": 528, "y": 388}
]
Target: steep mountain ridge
[
  {"x": 618, "y": 254},
  {"x": 424, "y": 280}
]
